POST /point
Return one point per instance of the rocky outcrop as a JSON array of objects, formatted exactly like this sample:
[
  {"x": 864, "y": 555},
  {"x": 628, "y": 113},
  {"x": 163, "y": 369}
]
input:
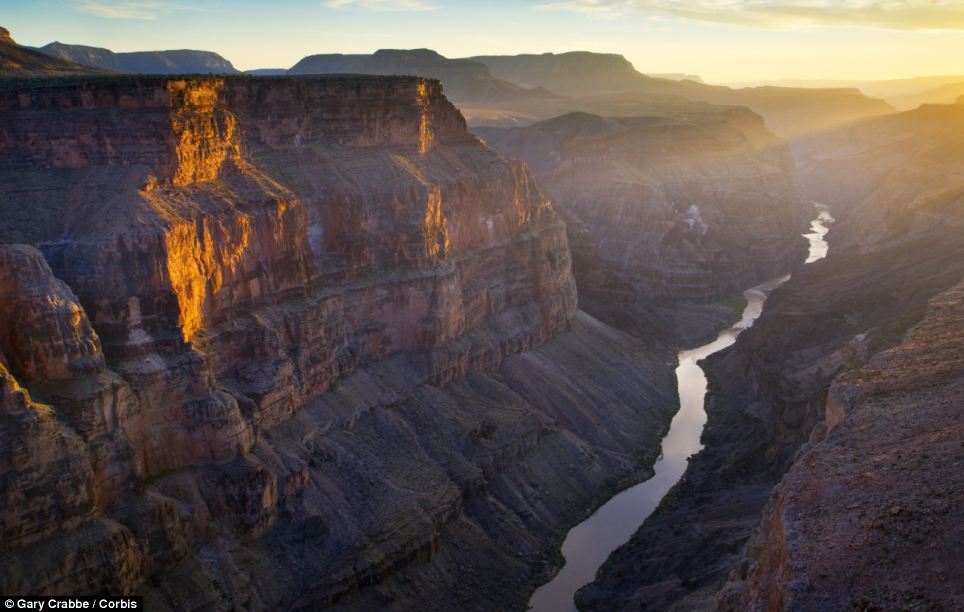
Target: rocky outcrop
[
  {"x": 866, "y": 518},
  {"x": 669, "y": 212},
  {"x": 888, "y": 257},
  {"x": 293, "y": 342},
  {"x": 464, "y": 80},
  {"x": 180, "y": 61}
]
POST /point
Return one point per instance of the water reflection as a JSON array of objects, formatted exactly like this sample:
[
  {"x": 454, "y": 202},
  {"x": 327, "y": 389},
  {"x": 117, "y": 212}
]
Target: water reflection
[
  {"x": 818, "y": 231},
  {"x": 589, "y": 543}
]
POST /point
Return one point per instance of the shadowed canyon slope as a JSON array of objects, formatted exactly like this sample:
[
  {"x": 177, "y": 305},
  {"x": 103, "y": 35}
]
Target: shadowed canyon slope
[
  {"x": 667, "y": 213},
  {"x": 287, "y": 342},
  {"x": 880, "y": 487},
  {"x": 899, "y": 244}
]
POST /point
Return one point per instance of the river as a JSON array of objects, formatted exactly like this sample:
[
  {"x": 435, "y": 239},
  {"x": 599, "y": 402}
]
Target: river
[{"x": 588, "y": 544}]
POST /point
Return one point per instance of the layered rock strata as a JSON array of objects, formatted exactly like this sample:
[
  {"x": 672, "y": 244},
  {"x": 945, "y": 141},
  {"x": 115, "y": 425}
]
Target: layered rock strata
[
  {"x": 667, "y": 213},
  {"x": 895, "y": 249},
  {"x": 292, "y": 342},
  {"x": 878, "y": 488}
]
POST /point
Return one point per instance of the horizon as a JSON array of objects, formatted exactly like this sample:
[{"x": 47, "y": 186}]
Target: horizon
[{"x": 726, "y": 43}]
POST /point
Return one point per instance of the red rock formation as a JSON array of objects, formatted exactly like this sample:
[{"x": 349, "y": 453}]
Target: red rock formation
[
  {"x": 865, "y": 518},
  {"x": 275, "y": 267},
  {"x": 60, "y": 466},
  {"x": 52, "y": 338}
]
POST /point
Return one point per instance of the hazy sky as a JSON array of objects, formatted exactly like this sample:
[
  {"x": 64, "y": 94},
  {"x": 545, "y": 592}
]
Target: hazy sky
[{"x": 721, "y": 40}]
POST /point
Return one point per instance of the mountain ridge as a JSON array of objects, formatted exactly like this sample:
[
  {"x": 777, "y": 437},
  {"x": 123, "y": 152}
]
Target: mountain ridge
[
  {"x": 20, "y": 61},
  {"x": 172, "y": 61}
]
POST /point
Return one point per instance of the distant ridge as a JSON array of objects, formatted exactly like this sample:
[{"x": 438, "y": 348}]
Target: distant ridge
[
  {"x": 20, "y": 61},
  {"x": 180, "y": 61},
  {"x": 676, "y": 76},
  {"x": 789, "y": 112},
  {"x": 267, "y": 71},
  {"x": 462, "y": 79},
  {"x": 903, "y": 94},
  {"x": 573, "y": 73}
]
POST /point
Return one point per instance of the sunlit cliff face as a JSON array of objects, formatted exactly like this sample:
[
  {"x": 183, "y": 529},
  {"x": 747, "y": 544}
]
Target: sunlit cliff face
[
  {"x": 206, "y": 136},
  {"x": 436, "y": 226},
  {"x": 425, "y": 136},
  {"x": 198, "y": 257},
  {"x": 200, "y": 254}
]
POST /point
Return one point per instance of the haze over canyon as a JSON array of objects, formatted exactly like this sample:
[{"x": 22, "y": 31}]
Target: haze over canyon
[{"x": 403, "y": 331}]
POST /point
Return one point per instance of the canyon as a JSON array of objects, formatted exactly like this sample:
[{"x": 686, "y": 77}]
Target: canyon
[
  {"x": 258, "y": 377},
  {"x": 818, "y": 376},
  {"x": 377, "y": 331},
  {"x": 668, "y": 214}
]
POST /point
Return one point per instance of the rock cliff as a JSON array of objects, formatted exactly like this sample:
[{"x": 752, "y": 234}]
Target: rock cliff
[
  {"x": 668, "y": 212},
  {"x": 293, "y": 342},
  {"x": 866, "y": 517},
  {"x": 896, "y": 248}
]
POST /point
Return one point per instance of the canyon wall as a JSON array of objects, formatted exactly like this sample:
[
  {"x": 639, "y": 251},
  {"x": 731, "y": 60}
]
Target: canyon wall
[
  {"x": 292, "y": 342},
  {"x": 868, "y": 515},
  {"x": 667, "y": 213},
  {"x": 828, "y": 331}
]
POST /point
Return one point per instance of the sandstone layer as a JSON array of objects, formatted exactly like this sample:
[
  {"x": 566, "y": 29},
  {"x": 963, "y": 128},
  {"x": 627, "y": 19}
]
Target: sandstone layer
[
  {"x": 896, "y": 248},
  {"x": 293, "y": 342},
  {"x": 667, "y": 214}
]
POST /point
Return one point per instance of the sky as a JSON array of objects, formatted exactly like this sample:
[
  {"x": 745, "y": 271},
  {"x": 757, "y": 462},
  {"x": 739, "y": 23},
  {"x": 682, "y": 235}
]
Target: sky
[{"x": 720, "y": 40}]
